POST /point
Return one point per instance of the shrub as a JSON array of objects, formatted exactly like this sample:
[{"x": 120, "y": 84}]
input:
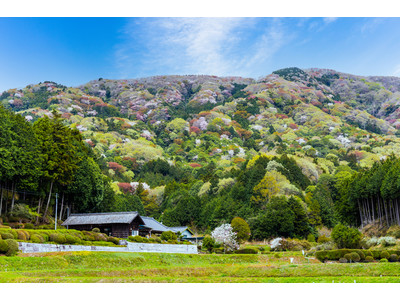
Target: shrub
[
  {"x": 343, "y": 260},
  {"x": 386, "y": 241},
  {"x": 3, "y": 246},
  {"x": 394, "y": 231},
  {"x": 29, "y": 226},
  {"x": 246, "y": 251},
  {"x": 276, "y": 255},
  {"x": 35, "y": 238},
  {"x": 261, "y": 248},
  {"x": 168, "y": 236},
  {"x": 158, "y": 240},
  {"x": 97, "y": 230},
  {"x": 383, "y": 260},
  {"x": 71, "y": 239},
  {"x": 323, "y": 239},
  {"x": 23, "y": 235},
  {"x": 326, "y": 246},
  {"x": 348, "y": 256},
  {"x": 385, "y": 254},
  {"x": 101, "y": 237},
  {"x": 208, "y": 243},
  {"x": 369, "y": 259},
  {"x": 12, "y": 248},
  {"x": 355, "y": 256},
  {"x": 393, "y": 258},
  {"x": 58, "y": 238},
  {"x": 113, "y": 240},
  {"x": 135, "y": 239},
  {"x": 89, "y": 236},
  {"x": 6, "y": 235},
  {"x": 311, "y": 238},
  {"x": 346, "y": 237}
]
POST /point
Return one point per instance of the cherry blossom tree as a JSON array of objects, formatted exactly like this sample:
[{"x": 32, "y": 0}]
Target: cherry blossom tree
[{"x": 224, "y": 235}]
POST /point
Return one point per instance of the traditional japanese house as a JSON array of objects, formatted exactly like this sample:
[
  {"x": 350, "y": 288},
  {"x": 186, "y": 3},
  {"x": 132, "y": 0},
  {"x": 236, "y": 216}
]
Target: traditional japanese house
[{"x": 117, "y": 224}]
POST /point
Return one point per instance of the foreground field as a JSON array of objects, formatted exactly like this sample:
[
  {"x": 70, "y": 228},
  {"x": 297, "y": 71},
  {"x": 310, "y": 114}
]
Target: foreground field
[{"x": 150, "y": 267}]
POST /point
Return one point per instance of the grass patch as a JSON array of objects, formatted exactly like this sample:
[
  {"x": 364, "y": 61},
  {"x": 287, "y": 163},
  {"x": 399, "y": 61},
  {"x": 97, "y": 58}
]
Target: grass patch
[{"x": 161, "y": 267}]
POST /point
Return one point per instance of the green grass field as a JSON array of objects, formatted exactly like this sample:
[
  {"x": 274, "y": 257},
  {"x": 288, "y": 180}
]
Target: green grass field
[{"x": 73, "y": 267}]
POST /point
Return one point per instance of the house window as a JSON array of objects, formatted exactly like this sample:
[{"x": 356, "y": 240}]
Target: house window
[{"x": 135, "y": 232}]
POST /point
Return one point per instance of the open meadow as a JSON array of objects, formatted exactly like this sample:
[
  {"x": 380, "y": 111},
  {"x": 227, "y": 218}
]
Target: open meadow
[{"x": 76, "y": 267}]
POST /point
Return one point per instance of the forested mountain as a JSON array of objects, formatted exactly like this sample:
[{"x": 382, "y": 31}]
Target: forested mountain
[{"x": 287, "y": 152}]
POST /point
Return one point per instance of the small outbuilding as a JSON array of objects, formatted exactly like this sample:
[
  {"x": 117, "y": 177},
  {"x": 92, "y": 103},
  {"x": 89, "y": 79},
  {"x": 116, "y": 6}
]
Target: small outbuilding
[
  {"x": 117, "y": 224},
  {"x": 184, "y": 231}
]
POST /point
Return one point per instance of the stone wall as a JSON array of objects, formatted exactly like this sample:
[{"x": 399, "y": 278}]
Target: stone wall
[{"x": 131, "y": 247}]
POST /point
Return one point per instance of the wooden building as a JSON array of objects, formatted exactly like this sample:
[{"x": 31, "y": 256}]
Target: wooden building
[{"x": 117, "y": 224}]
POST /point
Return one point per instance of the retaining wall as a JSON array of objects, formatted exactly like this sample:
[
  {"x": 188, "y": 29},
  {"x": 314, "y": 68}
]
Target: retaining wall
[{"x": 131, "y": 247}]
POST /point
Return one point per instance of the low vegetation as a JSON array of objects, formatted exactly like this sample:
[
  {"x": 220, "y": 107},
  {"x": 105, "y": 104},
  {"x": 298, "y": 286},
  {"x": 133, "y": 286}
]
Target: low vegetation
[{"x": 153, "y": 267}]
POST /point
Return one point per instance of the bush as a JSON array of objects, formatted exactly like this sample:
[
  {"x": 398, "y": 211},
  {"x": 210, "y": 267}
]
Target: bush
[
  {"x": 168, "y": 236},
  {"x": 23, "y": 235},
  {"x": 97, "y": 230},
  {"x": 311, "y": 238},
  {"x": 323, "y": 239},
  {"x": 89, "y": 236},
  {"x": 135, "y": 239},
  {"x": 58, "y": 238},
  {"x": 394, "y": 231},
  {"x": 29, "y": 226},
  {"x": 158, "y": 240},
  {"x": 346, "y": 237},
  {"x": 383, "y": 260},
  {"x": 12, "y": 248},
  {"x": 386, "y": 241},
  {"x": 355, "y": 257},
  {"x": 100, "y": 237},
  {"x": 6, "y": 235},
  {"x": 246, "y": 251},
  {"x": 343, "y": 260},
  {"x": 369, "y": 259},
  {"x": 113, "y": 240},
  {"x": 35, "y": 238},
  {"x": 208, "y": 243},
  {"x": 385, "y": 254},
  {"x": 347, "y": 256},
  {"x": 71, "y": 239},
  {"x": 3, "y": 246},
  {"x": 393, "y": 258}
]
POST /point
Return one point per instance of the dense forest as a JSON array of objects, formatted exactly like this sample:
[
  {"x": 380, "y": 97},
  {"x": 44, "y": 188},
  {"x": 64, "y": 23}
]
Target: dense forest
[{"x": 288, "y": 153}]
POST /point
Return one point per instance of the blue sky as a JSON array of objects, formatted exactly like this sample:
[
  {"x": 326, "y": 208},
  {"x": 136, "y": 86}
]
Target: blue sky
[{"x": 72, "y": 51}]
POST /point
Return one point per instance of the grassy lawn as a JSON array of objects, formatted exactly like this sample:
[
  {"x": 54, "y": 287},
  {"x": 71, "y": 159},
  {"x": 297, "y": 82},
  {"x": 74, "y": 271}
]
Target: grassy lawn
[{"x": 114, "y": 267}]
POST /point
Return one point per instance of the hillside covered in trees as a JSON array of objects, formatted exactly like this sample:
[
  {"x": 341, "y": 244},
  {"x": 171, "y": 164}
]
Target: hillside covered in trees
[{"x": 287, "y": 152}]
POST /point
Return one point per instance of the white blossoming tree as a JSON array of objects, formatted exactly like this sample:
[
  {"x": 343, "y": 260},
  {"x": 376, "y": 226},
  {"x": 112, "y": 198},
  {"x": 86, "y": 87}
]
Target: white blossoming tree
[{"x": 224, "y": 235}]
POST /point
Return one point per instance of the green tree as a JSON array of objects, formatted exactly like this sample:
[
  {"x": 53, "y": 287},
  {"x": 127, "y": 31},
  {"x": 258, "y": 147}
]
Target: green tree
[{"x": 241, "y": 228}]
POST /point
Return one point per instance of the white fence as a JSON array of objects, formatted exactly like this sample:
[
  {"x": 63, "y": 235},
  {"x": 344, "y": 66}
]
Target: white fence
[{"x": 131, "y": 247}]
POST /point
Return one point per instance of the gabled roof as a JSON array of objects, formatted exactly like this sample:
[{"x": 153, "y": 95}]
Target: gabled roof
[
  {"x": 181, "y": 229},
  {"x": 154, "y": 224},
  {"x": 103, "y": 218}
]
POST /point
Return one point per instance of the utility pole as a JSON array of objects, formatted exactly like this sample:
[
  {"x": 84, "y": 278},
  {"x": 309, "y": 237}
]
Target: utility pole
[{"x": 55, "y": 223}]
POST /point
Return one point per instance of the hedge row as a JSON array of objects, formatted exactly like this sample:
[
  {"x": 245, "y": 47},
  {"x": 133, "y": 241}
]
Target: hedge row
[
  {"x": 63, "y": 236},
  {"x": 341, "y": 253},
  {"x": 157, "y": 240}
]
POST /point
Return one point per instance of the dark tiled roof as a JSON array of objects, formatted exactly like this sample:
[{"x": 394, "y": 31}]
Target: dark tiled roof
[
  {"x": 154, "y": 224},
  {"x": 102, "y": 218}
]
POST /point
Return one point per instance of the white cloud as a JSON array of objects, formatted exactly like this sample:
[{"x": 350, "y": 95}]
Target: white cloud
[
  {"x": 214, "y": 46},
  {"x": 330, "y": 20}
]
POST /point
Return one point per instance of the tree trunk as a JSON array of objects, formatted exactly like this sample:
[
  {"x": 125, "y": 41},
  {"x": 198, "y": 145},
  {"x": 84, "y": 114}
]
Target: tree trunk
[
  {"x": 359, "y": 209},
  {"x": 38, "y": 210},
  {"x": 48, "y": 200},
  {"x": 62, "y": 206},
  {"x": 13, "y": 195},
  {"x": 386, "y": 212}
]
